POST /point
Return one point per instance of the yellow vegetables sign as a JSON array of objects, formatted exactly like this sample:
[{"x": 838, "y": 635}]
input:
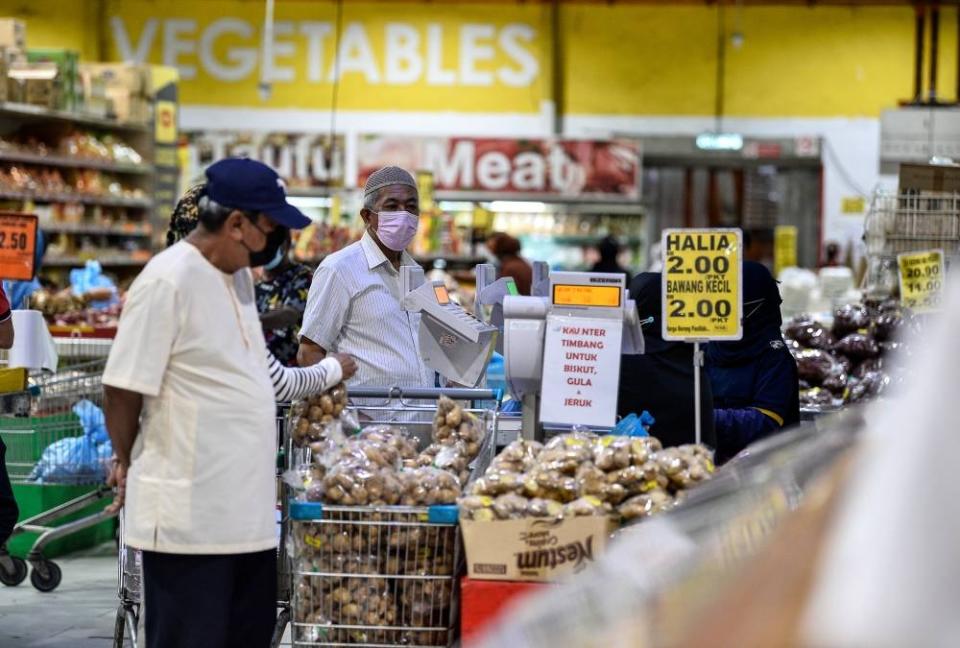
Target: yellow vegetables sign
[
  {"x": 702, "y": 284},
  {"x": 385, "y": 57},
  {"x": 921, "y": 280}
]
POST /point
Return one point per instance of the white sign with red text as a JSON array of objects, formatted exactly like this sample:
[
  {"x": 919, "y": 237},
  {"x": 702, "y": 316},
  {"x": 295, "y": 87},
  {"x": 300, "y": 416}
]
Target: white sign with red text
[{"x": 581, "y": 371}]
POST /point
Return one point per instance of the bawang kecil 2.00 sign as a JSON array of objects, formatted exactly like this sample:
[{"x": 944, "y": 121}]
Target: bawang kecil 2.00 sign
[{"x": 702, "y": 284}]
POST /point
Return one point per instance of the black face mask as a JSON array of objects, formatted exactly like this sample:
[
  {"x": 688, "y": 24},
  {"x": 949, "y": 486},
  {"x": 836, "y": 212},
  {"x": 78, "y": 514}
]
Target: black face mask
[{"x": 275, "y": 241}]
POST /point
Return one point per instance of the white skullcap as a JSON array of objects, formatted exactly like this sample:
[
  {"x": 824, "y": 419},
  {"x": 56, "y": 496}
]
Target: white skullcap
[{"x": 390, "y": 175}]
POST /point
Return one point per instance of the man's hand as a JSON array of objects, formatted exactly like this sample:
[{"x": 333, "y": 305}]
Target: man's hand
[
  {"x": 347, "y": 364},
  {"x": 117, "y": 479}
]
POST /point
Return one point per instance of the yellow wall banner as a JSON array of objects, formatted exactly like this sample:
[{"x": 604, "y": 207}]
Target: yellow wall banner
[
  {"x": 702, "y": 284},
  {"x": 471, "y": 58},
  {"x": 784, "y": 248}
]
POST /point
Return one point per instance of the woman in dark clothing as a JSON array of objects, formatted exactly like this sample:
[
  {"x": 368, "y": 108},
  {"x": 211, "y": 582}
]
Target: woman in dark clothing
[
  {"x": 756, "y": 391},
  {"x": 609, "y": 249},
  {"x": 507, "y": 250},
  {"x": 661, "y": 380}
]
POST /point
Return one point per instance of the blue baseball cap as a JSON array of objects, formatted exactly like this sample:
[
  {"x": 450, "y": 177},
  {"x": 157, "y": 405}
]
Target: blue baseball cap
[{"x": 252, "y": 186}]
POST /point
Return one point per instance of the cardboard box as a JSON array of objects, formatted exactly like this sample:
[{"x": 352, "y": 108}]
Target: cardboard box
[
  {"x": 533, "y": 549},
  {"x": 929, "y": 177},
  {"x": 34, "y": 83},
  {"x": 13, "y": 34},
  {"x": 67, "y": 62},
  {"x": 483, "y": 603},
  {"x": 126, "y": 107},
  {"x": 116, "y": 76}
]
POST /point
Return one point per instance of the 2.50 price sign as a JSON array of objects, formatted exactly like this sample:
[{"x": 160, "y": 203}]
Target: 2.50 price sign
[
  {"x": 921, "y": 280},
  {"x": 702, "y": 284},
  {"x": 18, "y": 238}
]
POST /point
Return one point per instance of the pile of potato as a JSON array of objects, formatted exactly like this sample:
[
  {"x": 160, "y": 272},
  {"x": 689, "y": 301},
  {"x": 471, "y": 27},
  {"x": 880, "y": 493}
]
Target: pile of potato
[
  {"x": 580, "y": 474},
  {"x": 311, "y": 416}
]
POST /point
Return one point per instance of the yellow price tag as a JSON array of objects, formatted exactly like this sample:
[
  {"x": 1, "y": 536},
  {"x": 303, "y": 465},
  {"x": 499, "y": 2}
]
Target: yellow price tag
[
  {"x": 921, "y": 280},
  {"x": 702, "y": 284}
]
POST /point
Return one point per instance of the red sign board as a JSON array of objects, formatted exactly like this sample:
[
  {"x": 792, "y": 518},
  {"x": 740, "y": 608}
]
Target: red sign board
[
  {"x": 604, "y": 170},
  {"x": 18, "y": 240}
]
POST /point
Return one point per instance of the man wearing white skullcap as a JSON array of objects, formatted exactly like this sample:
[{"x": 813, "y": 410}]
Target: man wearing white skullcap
[{"x": 354, "y": 302}]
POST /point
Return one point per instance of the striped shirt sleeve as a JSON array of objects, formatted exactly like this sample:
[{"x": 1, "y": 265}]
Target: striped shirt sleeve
[{"x": 290, "y": 383}]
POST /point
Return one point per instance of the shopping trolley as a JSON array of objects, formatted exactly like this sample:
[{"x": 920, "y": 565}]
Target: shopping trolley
[
  {"x": 130, "y": 567},
  {"x": 398, "y": 565},
  {"x": 37, "y": 426}
]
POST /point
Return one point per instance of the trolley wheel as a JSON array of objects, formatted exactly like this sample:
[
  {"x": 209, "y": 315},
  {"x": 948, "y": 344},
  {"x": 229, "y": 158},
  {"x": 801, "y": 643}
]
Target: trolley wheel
[
  {"x": 19, "y": 573},
  {"x": 49, "y": 583},
  {"x": 283, "y": 620},
  {"x": 119, "y": 627}
]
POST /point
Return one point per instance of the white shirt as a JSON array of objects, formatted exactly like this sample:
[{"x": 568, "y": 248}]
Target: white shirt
[
  {"x": 201, "y": 479},
  {"x": 354, "y": 308}
]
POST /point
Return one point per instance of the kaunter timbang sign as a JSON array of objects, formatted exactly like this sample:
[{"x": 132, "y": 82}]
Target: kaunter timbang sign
[
  {"x": 581, "y": 363},
  {"x": 702, "y": 284}
]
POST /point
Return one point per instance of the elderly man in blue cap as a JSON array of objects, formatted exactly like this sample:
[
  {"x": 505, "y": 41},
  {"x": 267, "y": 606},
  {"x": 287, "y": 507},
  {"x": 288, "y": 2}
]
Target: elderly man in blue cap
[{"x": 190, "y": 410}]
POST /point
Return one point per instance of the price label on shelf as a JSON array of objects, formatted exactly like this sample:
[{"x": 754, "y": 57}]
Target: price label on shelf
[
  {"x": 18, "y": 240},
  {"x": 921, "y": 280},
  {"x": 702, "y": 284}
]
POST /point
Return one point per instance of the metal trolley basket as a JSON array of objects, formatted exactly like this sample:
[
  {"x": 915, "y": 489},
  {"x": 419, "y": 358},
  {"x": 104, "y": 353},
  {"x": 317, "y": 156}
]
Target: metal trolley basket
[
  {"x": 909, "y": 221},
  {"x": 130, "y": 568},
  {"x": 384, "y": 575}
]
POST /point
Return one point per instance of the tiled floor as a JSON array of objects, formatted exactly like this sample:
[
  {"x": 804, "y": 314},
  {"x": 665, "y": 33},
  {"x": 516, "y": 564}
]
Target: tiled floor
[{"x": 80, "y": 613}]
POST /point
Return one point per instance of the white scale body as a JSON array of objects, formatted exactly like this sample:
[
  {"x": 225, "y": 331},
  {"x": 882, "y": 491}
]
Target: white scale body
[
  {"x": 452, "y": 342},
  {"x": 564, "y": 350}
]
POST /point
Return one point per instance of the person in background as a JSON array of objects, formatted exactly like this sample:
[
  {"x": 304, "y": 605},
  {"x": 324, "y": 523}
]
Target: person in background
[
  {"x": 661, "y": 379},
  {"x": 354, "y": 301},
  {"x": 609, "y": 249},
  {"x": 9, "y": 512},
  {"x": 19, "y": 292},
  {"x": 189, "y": 404},
  {"x": 281, "y": 299},
  {"x": 831, "y": 255},
  {"x": 756, "y": 389},
  {"x": 507, "y": 251}
]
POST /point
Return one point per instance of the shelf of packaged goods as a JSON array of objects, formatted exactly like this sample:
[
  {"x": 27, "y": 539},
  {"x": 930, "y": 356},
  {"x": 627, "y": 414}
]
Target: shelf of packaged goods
[
  {"x": 27, "y": 112},
  {"x": 593, "y": 239},
  {"x": 425, "y": 259},
  {"x": 74, "y": 162},
  {"x": 106, "y": 261},
  {"x": 86, "y": 199},
  {"x": 104, "y": 230}
]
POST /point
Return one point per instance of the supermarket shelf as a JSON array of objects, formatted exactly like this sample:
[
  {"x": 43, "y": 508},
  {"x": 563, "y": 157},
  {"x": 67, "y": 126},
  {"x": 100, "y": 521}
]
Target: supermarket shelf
[
  {"x": 116, "y": 261},
  {"x": 309, "y": 192},
  {"x": 427, "y": 259},
  {"x": 75, "y": 162},
  {"x": 28, "y": 112},
  {"x": 106, "y": 201},
  {"x": 80, "y": 228},
  {"x": 580, "y": 240}
]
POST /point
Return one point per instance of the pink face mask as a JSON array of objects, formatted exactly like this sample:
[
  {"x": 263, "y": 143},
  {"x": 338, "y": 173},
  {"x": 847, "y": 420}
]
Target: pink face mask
[{"x": 396, "y": 229}]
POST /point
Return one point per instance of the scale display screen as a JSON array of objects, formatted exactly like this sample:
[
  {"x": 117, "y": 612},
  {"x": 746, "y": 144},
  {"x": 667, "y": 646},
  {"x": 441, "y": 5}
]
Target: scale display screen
[
  {"x": 580, "y": 295},
  {"x": 512, "y": 288},
  {"x": 442, "y": 295}
]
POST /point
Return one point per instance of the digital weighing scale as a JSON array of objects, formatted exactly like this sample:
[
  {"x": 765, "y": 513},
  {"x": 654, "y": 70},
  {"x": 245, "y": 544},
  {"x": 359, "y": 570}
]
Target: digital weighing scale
[
  {"x": 452, "y": 342},
  {"x": 562, "y": 352}
]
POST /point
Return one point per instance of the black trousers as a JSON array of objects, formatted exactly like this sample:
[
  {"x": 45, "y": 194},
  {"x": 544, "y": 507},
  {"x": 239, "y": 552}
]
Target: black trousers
[
  {"x": 210, "y": 601},
  {"x": 8, "y": 505}
]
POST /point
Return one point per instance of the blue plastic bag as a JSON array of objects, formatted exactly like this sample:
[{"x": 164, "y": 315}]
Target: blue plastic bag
[
  {"x": 77, "y": 460},
  {"x": 91, "y": 277},
  {"x": 635, "y": 426}
]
